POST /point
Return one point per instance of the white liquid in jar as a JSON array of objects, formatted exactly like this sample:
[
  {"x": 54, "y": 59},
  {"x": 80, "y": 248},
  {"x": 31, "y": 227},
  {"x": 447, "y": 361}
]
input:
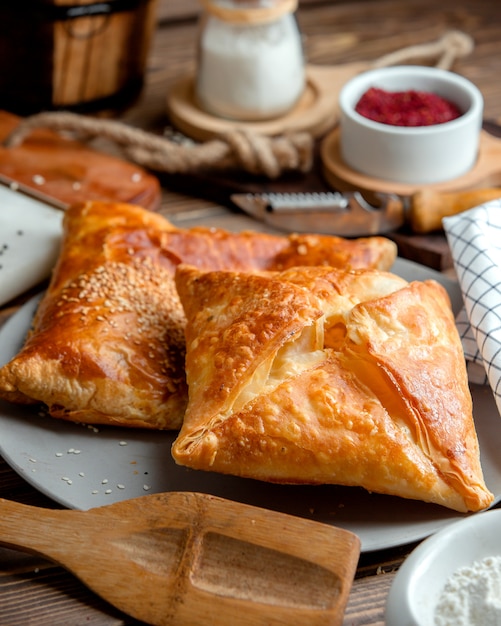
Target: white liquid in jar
[{"x": 250, "y": 72}]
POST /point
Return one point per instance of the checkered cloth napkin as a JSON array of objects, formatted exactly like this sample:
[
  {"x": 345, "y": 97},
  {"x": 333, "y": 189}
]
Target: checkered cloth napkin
[{"x": 474, "y": 238}]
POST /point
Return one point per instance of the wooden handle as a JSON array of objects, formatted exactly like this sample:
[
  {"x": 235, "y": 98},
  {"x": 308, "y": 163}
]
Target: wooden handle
[
  {"x": 32, "y": 529},
  {"x": 428, "y": 207}
]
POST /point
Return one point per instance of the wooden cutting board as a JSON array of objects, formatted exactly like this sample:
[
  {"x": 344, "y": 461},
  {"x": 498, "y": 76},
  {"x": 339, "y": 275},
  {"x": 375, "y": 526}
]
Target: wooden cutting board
[{"x": 70, "y": 171}]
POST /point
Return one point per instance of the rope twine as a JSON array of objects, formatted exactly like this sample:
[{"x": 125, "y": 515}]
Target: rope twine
[
  {"x": 453, "y": 45},
  {"x": 251, "y": 152},
  {"x": 235, "y": 149}
]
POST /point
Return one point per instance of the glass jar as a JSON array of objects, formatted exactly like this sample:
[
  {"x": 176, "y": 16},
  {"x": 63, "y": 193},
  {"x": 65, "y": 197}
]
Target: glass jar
[{"x": 250, "y": 59}]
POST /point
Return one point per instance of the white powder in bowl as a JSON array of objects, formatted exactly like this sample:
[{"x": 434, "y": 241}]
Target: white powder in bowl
[{"x": 472, "y": 596}]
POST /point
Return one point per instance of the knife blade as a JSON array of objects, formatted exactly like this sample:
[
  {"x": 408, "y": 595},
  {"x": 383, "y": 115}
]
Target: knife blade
[{"x": 31, "y": 192}]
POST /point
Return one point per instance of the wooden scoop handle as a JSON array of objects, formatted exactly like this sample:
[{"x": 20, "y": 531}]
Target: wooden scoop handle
[{"x": 428, "y": 207}]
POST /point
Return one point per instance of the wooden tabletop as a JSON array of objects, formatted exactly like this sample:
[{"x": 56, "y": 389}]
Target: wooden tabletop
[{"x": 34, "y": 591}]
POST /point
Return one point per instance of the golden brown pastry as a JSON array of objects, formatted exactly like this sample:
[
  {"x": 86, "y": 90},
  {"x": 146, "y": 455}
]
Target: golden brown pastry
[
  {"x": 108, "y": 339},
  {"x": 107, "y": 344},
  {"x": 316, "y": 375}
]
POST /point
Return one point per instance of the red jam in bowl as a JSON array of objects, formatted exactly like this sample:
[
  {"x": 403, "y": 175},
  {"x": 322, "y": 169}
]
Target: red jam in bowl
[{"x": 406, "y": 108}]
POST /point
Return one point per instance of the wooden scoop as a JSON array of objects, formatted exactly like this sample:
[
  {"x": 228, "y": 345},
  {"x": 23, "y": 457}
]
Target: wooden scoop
[{"x": 187, "y": 558}]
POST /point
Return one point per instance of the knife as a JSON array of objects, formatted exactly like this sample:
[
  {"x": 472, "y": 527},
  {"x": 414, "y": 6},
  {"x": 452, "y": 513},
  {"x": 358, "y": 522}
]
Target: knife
[
  {"x": 352, "y": 214},
  {"x": 31, "y": 192}
]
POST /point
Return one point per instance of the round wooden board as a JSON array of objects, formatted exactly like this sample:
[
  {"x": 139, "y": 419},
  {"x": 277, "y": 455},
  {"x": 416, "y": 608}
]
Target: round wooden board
[
  {"x": 485, "y": 172},
  {"x": 316, "y": 111}
]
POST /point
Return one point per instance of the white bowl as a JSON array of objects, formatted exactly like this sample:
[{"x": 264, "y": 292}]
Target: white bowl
[
  {"x": 418, "y": 154},
  {"x": 418, "y": 584}
]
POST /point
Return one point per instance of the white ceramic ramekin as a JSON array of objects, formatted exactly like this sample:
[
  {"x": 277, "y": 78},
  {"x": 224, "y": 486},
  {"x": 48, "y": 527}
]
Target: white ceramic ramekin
[
  {"x": 418, "y": 154},
  {"x": 417, "y": 587}
]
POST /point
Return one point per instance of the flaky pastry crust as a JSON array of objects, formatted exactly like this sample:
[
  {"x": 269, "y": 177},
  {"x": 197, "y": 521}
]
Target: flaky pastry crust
[{"x": 316, "y": 375}]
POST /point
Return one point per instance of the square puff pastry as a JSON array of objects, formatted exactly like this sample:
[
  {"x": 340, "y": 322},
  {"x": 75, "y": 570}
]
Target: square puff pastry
[
  {"x": 107, "y": 342},
  {"x": 107, "y": 345},
  {"x": 316, "y": 375}
]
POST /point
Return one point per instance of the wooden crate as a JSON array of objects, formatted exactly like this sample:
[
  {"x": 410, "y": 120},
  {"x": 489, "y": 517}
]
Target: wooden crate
[{"x": 73, "y": 53}]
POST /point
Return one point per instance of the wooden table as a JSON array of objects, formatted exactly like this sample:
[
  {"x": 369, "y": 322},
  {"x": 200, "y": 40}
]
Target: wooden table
[{"x": 34, "y": 591}]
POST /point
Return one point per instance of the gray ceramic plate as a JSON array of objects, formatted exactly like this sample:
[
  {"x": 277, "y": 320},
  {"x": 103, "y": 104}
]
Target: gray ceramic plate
[{"x": 81, "y": 468}]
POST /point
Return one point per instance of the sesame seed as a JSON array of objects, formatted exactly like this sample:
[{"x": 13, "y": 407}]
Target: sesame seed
[
  {"x": 108, "y": 491},
  {"x": 81, "y": 474},
  {"x": 120, "y": 486},
  {"x": 38, "y": 179},
  {"x": 151, "y": 315},
  {"x": 122, "y": 443},
  {"x": 94, "y": 491},
  {"x": 146, "y": 487},
  {"x": 104, "y": 481},
  {"x": 59, "y": 454}
]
